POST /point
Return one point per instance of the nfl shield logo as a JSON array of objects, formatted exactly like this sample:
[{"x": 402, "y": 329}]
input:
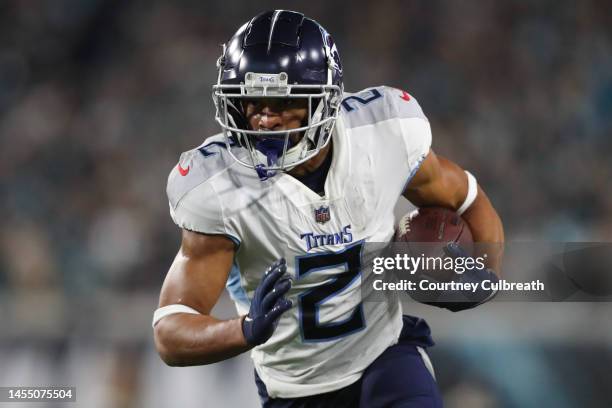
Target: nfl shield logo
[{"x": 322, "y": 214}]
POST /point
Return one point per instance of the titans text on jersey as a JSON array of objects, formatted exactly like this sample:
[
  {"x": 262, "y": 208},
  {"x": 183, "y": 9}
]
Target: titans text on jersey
[{"x": 313, "y": 240}]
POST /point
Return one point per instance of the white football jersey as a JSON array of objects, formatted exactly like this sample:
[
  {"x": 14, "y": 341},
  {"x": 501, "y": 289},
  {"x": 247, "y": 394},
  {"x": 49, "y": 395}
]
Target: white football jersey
[{"x": 330, "y": 335}]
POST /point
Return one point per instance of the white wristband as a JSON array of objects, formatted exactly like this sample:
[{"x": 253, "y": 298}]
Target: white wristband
[
  {"x": 471, "y": 194},
  {"x": 171, "y": 309}
]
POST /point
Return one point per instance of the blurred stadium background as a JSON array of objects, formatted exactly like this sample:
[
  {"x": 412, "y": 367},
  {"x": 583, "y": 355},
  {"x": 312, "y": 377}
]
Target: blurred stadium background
[{"x": 98, "y": 98}]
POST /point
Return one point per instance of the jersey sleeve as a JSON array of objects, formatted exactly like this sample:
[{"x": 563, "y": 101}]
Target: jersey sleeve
[
  {"x": 199, "y": 210},
  {"x": 194, "y": 203},
  {"x": 414, "y": 127}
]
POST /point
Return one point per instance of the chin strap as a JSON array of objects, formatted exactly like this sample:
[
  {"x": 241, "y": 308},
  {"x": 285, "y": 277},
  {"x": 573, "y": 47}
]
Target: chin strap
[
  {"x": 311, "y": 134},
  {"x": 264, "y": 173},
  {"x": 272, "y": 149}
]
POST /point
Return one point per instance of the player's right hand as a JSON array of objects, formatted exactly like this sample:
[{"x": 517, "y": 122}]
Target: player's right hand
[{"x": 267, "y": 305}]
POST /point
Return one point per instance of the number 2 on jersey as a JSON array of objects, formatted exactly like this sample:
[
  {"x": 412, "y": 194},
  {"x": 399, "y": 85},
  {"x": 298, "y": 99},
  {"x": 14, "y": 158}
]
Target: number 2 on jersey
[{"x": 310, "y": 301}]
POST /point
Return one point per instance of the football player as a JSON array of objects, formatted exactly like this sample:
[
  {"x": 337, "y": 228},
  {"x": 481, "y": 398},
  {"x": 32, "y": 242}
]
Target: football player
[{"x": 278, "y": 208}]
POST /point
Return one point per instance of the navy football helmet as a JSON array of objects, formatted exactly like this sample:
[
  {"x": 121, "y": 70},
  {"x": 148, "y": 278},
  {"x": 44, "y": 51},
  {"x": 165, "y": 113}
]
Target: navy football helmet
[{"x": 278, "y": 54}]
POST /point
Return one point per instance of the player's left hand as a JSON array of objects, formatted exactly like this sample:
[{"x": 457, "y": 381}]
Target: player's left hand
[{"x": 267, "y": 305}]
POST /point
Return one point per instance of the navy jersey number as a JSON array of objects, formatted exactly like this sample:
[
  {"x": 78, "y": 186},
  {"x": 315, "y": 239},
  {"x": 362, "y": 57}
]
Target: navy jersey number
[
  {"x": 309, "y": 301},
  {"x": 206, "y": 149},
  {"x": 374, "y": 94}
]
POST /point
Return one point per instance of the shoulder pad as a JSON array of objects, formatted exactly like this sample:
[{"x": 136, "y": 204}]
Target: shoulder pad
[{"x": 197, "y": 166}]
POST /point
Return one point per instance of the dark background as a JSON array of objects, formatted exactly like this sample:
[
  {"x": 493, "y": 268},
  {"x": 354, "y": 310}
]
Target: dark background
[{"x": 98, "y": 99}]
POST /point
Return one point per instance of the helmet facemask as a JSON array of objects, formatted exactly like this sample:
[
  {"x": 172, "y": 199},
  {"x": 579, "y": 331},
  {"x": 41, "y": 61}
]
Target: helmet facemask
[{"x": 270, "y": 151}]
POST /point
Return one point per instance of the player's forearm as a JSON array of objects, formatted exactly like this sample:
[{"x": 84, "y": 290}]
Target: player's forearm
[
  {"x": 188, "y": 339},
  {"x": 487, "y": 228}
]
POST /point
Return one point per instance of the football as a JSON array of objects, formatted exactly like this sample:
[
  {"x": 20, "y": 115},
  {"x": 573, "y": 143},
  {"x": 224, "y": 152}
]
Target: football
[{"x": 428, "y": 229}]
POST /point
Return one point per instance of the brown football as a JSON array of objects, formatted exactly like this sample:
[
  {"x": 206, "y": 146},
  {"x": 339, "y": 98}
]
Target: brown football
[{"x": 433, "y": 225}]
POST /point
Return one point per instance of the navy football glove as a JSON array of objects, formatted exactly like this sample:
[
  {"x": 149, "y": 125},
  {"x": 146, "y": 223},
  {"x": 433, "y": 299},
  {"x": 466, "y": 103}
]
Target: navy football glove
[
  {"x": 267, "y": 305},
  {"x": 457, "y": 300}
]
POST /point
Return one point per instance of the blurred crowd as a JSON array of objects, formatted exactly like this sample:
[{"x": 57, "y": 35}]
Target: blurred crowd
[{"x": 99, "y": 97}]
